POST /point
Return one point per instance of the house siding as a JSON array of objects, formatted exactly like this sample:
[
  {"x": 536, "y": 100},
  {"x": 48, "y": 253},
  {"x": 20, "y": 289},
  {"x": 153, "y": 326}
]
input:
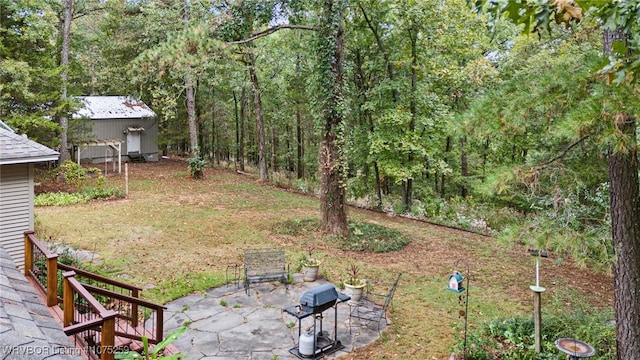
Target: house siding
[
  {"x": 16, "y": 208},
  {"x": 114, "y": 129}
]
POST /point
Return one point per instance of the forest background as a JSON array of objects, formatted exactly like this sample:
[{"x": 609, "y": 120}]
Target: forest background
[{"x": 448, "y": 116}]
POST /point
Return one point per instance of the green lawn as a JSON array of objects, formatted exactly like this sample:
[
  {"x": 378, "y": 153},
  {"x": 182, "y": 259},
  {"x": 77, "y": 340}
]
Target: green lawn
[{"x": 174, "y": 235}]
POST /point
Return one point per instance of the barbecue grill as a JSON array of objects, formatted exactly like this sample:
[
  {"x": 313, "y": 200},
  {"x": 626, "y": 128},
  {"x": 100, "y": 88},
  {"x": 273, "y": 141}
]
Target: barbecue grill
[{"x": 313, "y": 303}]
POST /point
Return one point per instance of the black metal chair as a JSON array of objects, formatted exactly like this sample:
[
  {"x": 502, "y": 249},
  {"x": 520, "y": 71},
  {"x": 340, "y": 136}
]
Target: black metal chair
[{"x": 372, "y": 308}]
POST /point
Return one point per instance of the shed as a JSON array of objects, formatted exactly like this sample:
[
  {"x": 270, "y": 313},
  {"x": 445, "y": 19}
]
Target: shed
[
  {"x": 17, "y": 158},
  {"x": 120, "y": 128}
]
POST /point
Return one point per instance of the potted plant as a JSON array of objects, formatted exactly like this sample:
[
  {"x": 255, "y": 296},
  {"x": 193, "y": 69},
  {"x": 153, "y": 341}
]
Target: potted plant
[
  {"x": 354, "y": 285},
  {"x": 310, "y": 266}
]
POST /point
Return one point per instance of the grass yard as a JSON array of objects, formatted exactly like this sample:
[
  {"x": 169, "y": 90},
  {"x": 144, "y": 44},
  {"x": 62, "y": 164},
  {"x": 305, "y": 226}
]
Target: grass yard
[{"x": 174, "y": 235}]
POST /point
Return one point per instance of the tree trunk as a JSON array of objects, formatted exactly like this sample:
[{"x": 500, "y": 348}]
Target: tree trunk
[
  {"x": 625, "y": 227},
  {"x": 289, "y": 155},
  {"x": 200, "y": 131},
  {"x": 190, "y": 94},
  {"x": 300, "y": 140},
  {"x": 299, "y": 133},
  {"x": 191, "y": 114},
  {"x": 443, "y": 177},
  {"x": 274, "y": 146},
  {"x": 331, "y": 161},
  {"x": 236, "y": 115},
  {"x": 257, "y": 101},
  {"x": 215, "y": 152},
  {"x": 464, "y": 166},
  {"x": 407, "y": 199},
  {"x": 64, "y": 62},
  {"x": 243, "y": 115}
]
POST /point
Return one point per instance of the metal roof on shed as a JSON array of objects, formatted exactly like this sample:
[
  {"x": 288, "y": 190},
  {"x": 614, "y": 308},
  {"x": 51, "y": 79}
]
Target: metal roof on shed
[
  {"x": 17, "y": 149},
  {"x": 113, "y": 107}
]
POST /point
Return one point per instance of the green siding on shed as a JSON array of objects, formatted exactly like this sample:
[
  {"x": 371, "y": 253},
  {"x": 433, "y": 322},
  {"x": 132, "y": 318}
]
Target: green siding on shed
[{"x": 115, "y": 129}]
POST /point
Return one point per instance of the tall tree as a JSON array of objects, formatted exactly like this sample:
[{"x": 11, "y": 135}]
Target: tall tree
[
  {"x": 190, "y": 91},
  {"x": 621, "y": 43},
  {"x": 625, "y": 219},
  {"x": 64, "y": 63},
  {"x": 29, "y": 73},
  {"x": 329, "y": 78}
]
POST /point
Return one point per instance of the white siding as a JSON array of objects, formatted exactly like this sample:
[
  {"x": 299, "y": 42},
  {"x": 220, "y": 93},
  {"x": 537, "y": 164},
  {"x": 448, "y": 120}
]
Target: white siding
[{"x": 16, "y": 208}]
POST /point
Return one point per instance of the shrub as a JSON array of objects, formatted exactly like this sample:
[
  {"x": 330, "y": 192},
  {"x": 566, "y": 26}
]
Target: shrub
[
  {"x": 59, "y": 199},
  {"x": 72, "y": 173},
  {"x": 372, "y": 237},
  {"x": 363, "y": 236},
  {"x": 513, "y": 338},
  {"x": 196, "y": 166}
]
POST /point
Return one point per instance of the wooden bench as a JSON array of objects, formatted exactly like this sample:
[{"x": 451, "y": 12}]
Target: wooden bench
[{"x": 265, "y": 265}]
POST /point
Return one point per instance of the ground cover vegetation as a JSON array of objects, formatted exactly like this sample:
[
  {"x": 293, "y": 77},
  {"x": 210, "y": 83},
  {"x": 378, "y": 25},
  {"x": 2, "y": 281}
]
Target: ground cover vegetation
[{"x": 414, "y": 108}]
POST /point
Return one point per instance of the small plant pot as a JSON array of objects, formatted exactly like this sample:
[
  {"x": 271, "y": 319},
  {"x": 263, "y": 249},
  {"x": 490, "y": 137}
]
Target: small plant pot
[
  {"x": 310, "y": 272},
  {"x": 355, "y": 291}
]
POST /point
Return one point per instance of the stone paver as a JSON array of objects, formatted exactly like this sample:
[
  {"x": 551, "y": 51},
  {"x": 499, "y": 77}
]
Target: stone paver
[
  {"x": 27, "y": 329},
  {"x": 226, "y": 324}
]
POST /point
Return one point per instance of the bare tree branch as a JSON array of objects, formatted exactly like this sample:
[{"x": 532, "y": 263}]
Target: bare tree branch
[
  {"x": 270, "y": 31},
  {"x": 563, "y": 153}
]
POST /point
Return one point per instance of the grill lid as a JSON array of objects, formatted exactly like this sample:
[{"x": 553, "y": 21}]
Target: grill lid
[{"x": 320, "y": 298}]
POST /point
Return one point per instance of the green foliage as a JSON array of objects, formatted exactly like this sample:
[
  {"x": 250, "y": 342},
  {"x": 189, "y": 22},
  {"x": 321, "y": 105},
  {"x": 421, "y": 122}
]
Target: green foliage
[
  {"x": 78, "y": 176},
  {"x": 196, "y": 166},
  {"x": 72, "y": 173},
  {"x": 157, "y": 351},
  {"x": 308, "y": 259},
  {"x": 103, "y": 192},
  {"x": 364, "y": 236},
  {"x": 296, "y": 227},
  {"x": 59, "y": 199},
  {"x": 573, "y": 223},
  {"x": 513, "y": 338},
  {"x": 38, "y": 129},
  {"x": 29, "y": 81}
]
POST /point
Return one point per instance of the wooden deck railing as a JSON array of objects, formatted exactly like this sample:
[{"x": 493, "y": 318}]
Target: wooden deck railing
[
  {"x": 133, "y": 317},
  {"x": 91, "y": 325},
  {"x": 39, "y": 264}
]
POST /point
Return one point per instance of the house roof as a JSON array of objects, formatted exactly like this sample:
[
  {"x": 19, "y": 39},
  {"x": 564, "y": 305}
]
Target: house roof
[
  {"x": 17, "y": 149},
  {"x": 113, "y": 107},
  {"x": 27, "y": 328}
]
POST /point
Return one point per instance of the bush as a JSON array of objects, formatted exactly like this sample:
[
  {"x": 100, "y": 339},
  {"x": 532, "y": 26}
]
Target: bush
[
  {"x": 72, "y": 173},
  {"x": 363, "y": 236},
  {"x": 196, "y": 166},
  {"x": 513, "y": 338},
  {"x": 59, "y": 199}
]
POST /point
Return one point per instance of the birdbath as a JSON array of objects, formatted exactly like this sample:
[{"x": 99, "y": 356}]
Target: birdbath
[{"x": 575, "y": 348}]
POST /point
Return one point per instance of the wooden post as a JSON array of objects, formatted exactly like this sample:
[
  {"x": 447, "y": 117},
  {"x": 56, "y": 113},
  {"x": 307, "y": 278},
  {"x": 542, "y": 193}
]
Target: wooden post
[
  {"x": 126, "y": 179},
  {"x": 67, "y": 299},
  {"x": 537, "y": 315},
  {"x": 134, "y": 309},
  {"x": 160, "y": 324},
  {"x": 28, "y": 253},
  {"x": 52, "y": 280},
  {"x": 108, "y": 335}
]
